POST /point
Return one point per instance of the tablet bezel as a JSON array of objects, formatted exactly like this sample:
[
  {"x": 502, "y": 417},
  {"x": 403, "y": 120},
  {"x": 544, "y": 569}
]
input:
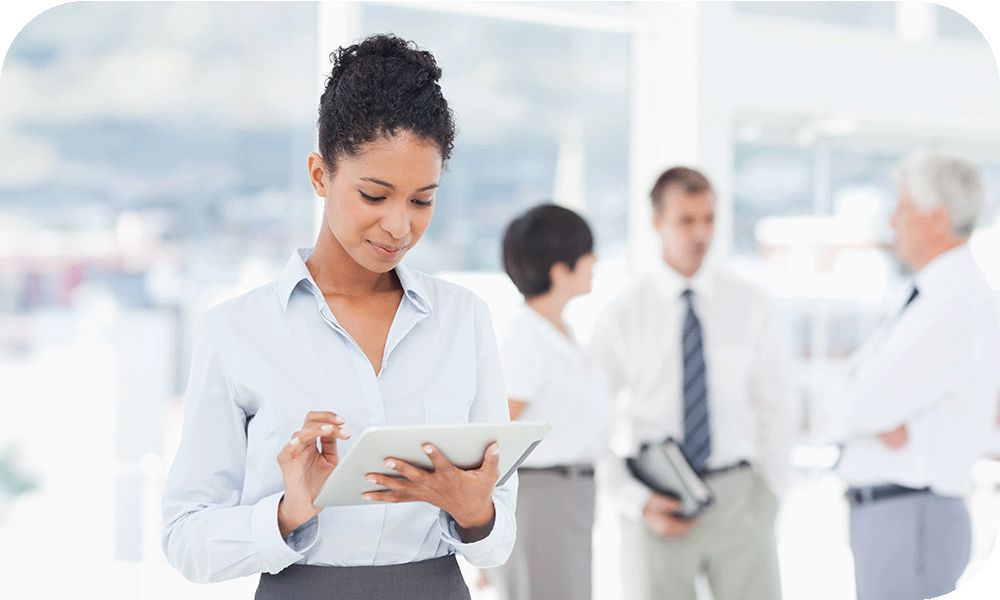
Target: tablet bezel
[{"x": 462, "y": 443}]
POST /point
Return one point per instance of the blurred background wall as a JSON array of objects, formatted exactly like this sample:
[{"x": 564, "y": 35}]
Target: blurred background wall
[{"x": 152, "y": 164}]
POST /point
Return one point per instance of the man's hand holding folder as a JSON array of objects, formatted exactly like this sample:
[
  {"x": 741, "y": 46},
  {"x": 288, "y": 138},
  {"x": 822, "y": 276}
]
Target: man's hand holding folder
[
  {"x": 661, "y": 516},
  {"x": 678, "y": 493}
]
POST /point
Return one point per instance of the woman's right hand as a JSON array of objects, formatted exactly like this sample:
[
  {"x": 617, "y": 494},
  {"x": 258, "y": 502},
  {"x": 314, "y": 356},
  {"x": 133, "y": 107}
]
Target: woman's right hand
[{"x": 305, "y": 468}]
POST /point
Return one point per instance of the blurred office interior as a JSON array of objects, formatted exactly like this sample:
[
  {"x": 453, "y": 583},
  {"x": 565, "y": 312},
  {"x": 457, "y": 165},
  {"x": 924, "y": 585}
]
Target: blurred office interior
[{"x": 154, "y": 165}]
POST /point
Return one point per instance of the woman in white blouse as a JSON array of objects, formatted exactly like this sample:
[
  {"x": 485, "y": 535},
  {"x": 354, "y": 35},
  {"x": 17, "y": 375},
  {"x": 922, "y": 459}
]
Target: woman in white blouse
[
  {"x": 548, "y": 254},
  {"x": 345, "y": 338}
]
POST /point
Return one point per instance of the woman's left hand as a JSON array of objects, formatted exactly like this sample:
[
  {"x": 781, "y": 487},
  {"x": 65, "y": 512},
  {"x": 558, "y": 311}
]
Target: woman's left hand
[{"x": 466, "y": 495}]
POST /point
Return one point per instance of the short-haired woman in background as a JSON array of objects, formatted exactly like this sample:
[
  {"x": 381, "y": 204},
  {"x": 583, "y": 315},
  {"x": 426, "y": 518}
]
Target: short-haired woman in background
[{"x": 548, "y": 254}]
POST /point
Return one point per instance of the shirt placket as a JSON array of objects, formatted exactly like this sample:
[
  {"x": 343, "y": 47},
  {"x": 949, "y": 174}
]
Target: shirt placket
[
  {"x": 368, "y": 382},
  {"x": 374, "y": 519}
]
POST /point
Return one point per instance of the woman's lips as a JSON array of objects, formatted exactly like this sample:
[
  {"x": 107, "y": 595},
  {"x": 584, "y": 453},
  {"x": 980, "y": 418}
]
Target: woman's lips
[{"x": 387, "y": 251}]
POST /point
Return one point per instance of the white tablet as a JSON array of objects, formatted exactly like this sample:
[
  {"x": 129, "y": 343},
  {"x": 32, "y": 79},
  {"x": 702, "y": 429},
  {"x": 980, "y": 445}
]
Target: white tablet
[{"x": 463, "y": 444}]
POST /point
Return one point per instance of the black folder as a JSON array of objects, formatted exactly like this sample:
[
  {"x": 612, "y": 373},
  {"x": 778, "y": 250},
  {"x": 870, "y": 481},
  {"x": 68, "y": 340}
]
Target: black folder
[{"x": 663, "y": 468}]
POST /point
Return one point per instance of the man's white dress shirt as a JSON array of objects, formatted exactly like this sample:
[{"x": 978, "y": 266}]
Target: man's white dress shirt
[
  {"x": 261, "y": 362},
  {"x": 638, "y": 341},
  {"x": 934, "y": 367}
]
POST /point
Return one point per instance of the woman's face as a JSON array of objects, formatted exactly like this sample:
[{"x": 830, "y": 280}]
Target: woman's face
[{"x": 379, "y": 203}]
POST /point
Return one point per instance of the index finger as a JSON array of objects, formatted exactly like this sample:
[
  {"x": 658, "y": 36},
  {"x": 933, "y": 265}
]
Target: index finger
[
  {"x": 318, "y": 417},
  {"x": 405, "y": 469}
]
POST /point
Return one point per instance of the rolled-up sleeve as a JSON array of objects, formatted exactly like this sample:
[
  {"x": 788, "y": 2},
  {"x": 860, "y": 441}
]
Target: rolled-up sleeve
[
  {"x": 489, "y": 405},
  {"x": 209, "y": 533},
  {"x": 626, "y": 493},
  {"x": 606, "y": 348}
]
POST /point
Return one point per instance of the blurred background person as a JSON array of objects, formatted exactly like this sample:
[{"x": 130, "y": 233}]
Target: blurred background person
[
  {"x": 696, "y": 354},
  {"x": 919, "y": 401},
  {"x": 548, "y": 252}
]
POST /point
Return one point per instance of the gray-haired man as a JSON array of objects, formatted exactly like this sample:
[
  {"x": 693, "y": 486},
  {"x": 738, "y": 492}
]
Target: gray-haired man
[{"x": 918, "y": 404}]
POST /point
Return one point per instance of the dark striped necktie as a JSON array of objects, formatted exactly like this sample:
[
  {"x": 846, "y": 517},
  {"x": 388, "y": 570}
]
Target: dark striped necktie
[{"x": 697, "y": 444}]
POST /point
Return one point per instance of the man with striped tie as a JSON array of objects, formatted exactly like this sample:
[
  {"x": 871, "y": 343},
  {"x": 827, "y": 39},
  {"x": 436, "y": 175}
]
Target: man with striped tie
[{"x": 695, "y": 353}]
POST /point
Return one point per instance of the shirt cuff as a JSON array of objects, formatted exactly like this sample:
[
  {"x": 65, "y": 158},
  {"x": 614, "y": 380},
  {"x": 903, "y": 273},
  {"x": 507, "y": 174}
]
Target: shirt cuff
[
  {"x": 275, "y": 552},
  {"x": 491, "y": 551},
  {"x": 303, "y": 538},
  {"x": 633, "y": 497},
  {"x": 627, "y": 494}
]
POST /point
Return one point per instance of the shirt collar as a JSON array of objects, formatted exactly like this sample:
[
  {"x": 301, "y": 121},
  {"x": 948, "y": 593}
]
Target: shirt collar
[
  {"x": 944, "y": 270},
  {"x": 672, "y": 283},
  {"x": 295, "y": 272},
  {"x": 414, "y": 288}
]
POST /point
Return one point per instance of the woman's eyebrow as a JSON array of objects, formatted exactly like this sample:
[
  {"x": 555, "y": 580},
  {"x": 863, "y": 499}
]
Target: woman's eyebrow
[{"x": 392, "y": 187}]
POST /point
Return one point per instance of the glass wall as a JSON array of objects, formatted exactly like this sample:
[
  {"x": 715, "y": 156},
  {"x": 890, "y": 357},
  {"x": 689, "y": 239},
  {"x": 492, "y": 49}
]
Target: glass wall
[
  {"x": 813, "y": 214},
  {"x": 542, "y": 114},
  {"x": 154, "y": 164}
]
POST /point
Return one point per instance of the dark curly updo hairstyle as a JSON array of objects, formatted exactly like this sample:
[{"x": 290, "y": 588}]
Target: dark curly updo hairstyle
[{"x": 377, "y": 88}]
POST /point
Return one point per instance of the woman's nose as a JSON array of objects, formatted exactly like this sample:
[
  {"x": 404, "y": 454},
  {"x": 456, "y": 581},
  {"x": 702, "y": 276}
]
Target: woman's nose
[{"x": 396, "y": 221}]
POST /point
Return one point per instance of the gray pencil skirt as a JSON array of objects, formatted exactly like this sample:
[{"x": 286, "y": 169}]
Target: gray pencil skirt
[{"x": 435, "y": 579}]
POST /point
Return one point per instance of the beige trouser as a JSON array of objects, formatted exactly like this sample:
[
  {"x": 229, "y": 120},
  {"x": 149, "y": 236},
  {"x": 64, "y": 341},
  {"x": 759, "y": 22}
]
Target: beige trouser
[{"x": 733, "y": 543}]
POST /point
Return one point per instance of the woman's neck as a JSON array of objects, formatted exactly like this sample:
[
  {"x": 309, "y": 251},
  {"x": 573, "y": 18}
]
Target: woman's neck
[
  {"x": 336, "y": 272},
  {"x": 550, "y": 306}
]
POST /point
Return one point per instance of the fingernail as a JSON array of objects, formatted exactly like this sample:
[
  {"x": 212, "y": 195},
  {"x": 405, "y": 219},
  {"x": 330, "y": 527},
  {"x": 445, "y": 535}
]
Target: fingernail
[
  {"x": 495, "y": 450},
  {"x": 367, "y": 497},
  {"x": 391, "y": 464},
  {"x": 345, "y": 431},
  {"x": 296, "y": 441},
  {"x": 326, "y": 427},
  {"x": 428, "y": 449},
  {"x": 338, "y": 420},
  {"x": 370, "y": 479}
]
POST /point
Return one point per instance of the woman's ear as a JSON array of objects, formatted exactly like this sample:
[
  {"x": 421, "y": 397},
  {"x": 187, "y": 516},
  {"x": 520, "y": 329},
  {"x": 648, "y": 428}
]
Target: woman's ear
[
  {"x": 317, "y": 174},
  {"x": 558, "y": 272}
]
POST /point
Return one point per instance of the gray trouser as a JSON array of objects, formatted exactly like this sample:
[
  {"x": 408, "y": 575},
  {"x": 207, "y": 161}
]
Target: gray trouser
[
  {"x": 551, "y": 559},
  {"x": 733, "y": 544},
  {"x": 910, "y": 547},
  {"x": 435, "y": 579}
]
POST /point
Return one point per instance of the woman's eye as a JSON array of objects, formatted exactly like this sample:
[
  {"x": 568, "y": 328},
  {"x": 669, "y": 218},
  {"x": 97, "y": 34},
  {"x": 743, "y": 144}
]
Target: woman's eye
[
  {"x": 427, "y": 202},
  {"x": 371, "y": 198}
]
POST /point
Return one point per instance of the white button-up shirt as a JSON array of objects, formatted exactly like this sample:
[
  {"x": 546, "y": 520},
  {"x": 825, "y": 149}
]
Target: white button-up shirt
[
  {"x": 562, "y": 385},
  {"x": 934, "y": 367},
  {"x": 638, "y": 341},
  {"x": 261, "y": 362}
]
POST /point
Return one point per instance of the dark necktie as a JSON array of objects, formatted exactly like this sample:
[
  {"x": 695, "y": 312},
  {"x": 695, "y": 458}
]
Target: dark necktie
[
  {"x": 697, "y": 444},
  {"x": 913, "y": 296}
]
